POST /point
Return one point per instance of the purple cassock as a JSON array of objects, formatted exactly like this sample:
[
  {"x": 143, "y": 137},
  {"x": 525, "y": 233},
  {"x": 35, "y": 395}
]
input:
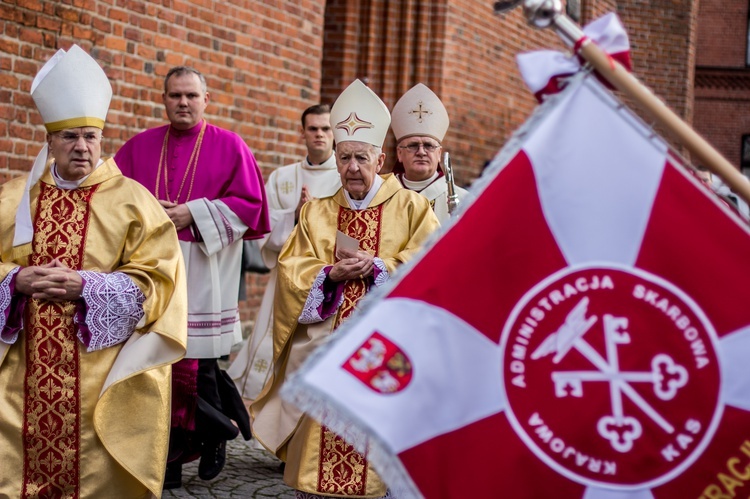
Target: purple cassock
[
  {"x": 214, "y": 172},
  {"x": 216, "y": 166}
]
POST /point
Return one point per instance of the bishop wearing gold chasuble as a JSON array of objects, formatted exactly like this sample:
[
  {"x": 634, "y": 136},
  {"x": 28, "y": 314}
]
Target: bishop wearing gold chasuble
[
  {"x": 342, "y": 246},
  {"x": 92, "y": 308}
]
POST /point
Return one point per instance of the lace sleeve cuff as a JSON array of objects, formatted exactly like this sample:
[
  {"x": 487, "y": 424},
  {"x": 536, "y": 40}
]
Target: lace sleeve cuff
[
  {"x": 111, "y": 306},
  {"x": 11, "y": 309},
  {"x": 324, "y": 299},
  {"x": 379, "y": 272}
]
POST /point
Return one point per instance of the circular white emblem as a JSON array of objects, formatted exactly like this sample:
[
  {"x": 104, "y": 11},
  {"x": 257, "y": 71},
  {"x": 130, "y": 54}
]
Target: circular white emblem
[{"x": 611, "y": 376}]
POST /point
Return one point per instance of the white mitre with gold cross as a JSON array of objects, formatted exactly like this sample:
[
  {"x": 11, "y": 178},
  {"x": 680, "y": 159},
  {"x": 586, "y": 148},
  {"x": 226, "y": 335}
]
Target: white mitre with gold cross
[
  {"x": 70, "y": 91},
  {"x": 359, "y": 115},
  {"x": 420, "y": 112}
]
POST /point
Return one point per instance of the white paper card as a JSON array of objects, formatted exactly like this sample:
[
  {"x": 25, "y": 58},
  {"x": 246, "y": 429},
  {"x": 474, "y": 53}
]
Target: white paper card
[{"x": 345, "y": 242}]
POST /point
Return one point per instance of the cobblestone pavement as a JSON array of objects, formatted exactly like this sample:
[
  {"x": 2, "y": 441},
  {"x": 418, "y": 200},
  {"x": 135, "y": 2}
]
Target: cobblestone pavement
[{"x": 249, "y": 473}]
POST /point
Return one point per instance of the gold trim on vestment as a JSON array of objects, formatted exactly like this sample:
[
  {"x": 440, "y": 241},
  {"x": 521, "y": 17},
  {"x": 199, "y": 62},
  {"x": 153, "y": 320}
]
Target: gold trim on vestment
[
  {"x": 52, "y": 416},
  {"x": 120, "y": 457},
  {"x": 344, "y": 474},
  {"x": 56, "y": 126},
  {"x": 393, "y": 227},
  {"x": 19, "y": 252},
  {"x": 341, "y": 470}
]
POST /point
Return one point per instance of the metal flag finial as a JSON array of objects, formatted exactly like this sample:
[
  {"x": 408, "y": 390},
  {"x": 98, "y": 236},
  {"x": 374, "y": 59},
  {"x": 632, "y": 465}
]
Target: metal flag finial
[{"x": 540, "y": 13}]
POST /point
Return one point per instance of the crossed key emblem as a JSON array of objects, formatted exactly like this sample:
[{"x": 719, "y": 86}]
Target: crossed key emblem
[{"x": 666, "y": 376}]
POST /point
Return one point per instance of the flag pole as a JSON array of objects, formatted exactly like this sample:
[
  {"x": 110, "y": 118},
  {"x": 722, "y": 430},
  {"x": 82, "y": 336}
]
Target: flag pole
[{"x": 546, "y": 13}]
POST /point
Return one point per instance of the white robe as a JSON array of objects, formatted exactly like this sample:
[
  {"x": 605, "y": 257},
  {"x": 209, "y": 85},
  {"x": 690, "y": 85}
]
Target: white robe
[
  {"x": 437, "y": 192},
  {"x": 252, "y": 366},
  {"x": 213, "y": 270}
]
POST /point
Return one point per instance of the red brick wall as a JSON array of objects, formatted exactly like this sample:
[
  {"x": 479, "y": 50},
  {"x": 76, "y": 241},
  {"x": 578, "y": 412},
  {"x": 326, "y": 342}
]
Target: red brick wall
[
  {"x": 722, "y": 94},
  {"x": 662, "y": 37},
  {"x": 722, "y": 33},
  {"x": 262, "y": 61},
  {"x": 723, "y": 121},
  {"x": 591, "y": 10},
  {"x": 483, "y": 90},
  {"x": 340, "y": 47}
]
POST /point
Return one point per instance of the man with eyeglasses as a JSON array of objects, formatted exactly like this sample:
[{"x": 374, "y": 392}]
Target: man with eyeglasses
[
  {"x": 420, "y": 122},
  {"x": 342, "y": 247},
  {"x": 92, "y": 307}
]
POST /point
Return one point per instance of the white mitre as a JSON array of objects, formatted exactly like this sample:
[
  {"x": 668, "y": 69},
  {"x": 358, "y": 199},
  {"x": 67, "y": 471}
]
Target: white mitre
[
  {"x": 359, "y": 115},
  {"x": 420, "y": 112},
  {"x": 70, "y": 91}
]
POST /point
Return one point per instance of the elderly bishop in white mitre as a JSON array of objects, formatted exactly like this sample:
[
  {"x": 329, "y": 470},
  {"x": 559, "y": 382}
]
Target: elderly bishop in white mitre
[{"x": 342, "y": 247}]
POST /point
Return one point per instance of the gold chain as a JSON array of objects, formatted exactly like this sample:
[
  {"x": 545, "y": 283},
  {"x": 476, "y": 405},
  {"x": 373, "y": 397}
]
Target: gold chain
[{"x": 192, "y": 164}]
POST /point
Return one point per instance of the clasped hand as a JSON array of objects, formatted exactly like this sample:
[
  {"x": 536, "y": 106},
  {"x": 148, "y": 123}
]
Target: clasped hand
[
  {"x": 52, "y": 281},
  {"x": 353, "y": 265},
  {"x": 179, "y": 214}
]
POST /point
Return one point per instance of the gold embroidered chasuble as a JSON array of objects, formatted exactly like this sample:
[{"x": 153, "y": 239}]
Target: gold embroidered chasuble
[
  {"x": 91, "y": 424},
  {"x": 393, "y": 227}
]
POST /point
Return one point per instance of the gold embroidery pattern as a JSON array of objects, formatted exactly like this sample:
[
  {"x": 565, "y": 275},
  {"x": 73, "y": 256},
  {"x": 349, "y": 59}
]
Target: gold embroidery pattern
[
  {"x": 363, "y": 225},
  {"x": 51, "y": 431},
  {"x": 343, "y": 470},
  {"x": 287, "y": 187}
]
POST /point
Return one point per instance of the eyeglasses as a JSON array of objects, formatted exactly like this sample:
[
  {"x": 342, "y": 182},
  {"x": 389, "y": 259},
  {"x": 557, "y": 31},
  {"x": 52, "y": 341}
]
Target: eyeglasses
[
  {"x": 414, "y": 147},
  {"x": 72, "y": 137}
]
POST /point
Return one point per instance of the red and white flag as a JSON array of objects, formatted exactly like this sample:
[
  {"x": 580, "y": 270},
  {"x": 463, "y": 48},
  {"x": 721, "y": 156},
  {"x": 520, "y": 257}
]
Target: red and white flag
[{"x": 581, "y": 331}]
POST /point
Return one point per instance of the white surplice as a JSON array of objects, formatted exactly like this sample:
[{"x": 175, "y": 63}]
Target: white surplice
[
  {"x": 436, "y": 190},
  {"x": 251, "y": 368},
  {"x": 213, "y": 270}
]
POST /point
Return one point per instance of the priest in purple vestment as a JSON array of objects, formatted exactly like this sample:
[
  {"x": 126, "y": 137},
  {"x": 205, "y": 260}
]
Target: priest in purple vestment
[{"x": 210, "y": 186}]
